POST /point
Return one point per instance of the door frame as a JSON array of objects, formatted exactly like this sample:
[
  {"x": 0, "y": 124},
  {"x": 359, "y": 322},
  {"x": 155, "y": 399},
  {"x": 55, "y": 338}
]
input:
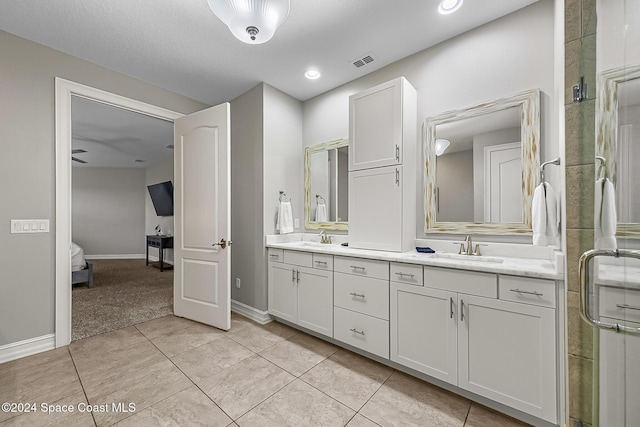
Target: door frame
[{"x": 64, "y": 89}]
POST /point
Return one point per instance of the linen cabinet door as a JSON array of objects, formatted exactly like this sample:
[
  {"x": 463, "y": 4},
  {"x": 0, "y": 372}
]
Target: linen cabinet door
[
  {"x": 315, "y": 300},
  {"x": 283, "y": 292},
  {"x": 375, "y": 209},
  {"x": 424, "y": 330},
  {"x": 506, "y": 352}
]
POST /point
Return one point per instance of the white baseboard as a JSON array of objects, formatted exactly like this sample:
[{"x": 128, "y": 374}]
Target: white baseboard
[
  {"x": 28, "y": 347},
  {"x": 116, "y": 256},
  {"x": 262, "y": 317}
]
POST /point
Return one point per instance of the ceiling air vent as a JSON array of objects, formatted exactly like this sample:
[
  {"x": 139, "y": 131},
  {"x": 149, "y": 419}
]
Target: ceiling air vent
[{"x": 361, "y": 62}]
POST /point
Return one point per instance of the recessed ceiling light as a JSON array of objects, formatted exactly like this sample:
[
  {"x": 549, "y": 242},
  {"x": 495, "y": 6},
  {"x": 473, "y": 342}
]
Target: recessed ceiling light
[
  {"x": 312, "y": 74},
  {"x": 449, "y": 6}
]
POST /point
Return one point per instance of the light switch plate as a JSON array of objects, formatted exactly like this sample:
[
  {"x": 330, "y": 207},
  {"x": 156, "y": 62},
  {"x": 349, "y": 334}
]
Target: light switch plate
[{"x": 23, "y": 226}]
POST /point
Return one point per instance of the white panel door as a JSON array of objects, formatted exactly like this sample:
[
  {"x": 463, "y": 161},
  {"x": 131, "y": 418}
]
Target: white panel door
[
  {"x": 283, "y": 291},
  {"x": 315, "y": 300},
  {"x": 503, "y": 182},
  {"x": 202, "y": 290},
  {"x": 506, "y": 352}
]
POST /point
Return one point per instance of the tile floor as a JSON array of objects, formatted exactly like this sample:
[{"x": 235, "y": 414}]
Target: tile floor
[{"x": 180, "y": 373}]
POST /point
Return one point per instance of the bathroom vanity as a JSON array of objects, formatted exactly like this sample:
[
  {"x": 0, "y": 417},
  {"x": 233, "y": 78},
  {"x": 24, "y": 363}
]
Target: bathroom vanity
[{"x": 484, "y": 327}]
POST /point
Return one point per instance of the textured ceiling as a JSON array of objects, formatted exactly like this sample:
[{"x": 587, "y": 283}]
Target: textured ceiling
[{"x": 181, "y": 46}]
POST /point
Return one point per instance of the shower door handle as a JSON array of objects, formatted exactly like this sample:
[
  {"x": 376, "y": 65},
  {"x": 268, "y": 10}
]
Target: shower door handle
[{"x": 583, "y": 275}]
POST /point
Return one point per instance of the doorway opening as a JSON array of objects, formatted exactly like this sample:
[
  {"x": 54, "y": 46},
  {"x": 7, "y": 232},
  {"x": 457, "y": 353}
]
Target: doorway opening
[{"x": 66, "y": 93}]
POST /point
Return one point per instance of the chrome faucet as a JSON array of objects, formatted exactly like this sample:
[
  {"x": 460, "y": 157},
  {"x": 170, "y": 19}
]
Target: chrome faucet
[{"x": 324, "y": 238}]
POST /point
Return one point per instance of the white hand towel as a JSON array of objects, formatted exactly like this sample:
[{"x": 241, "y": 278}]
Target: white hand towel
[
  {"x": 284, "y": 223},
  {"x": 321, "y": 212},
  {"x": 605, "y": 216},
  {"x": 544, "y": 216}
]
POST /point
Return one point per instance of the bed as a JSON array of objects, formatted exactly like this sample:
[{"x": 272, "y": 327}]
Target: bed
[{"x": 81, "y": 269}]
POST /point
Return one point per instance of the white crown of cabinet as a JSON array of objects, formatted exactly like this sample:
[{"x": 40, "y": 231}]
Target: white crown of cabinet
[{"x": 382, "y": 167}]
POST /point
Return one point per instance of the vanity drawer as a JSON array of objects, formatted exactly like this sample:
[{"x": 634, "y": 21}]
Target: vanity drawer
[
  {"x": 410, "y": 274},
  {"x": 359, "y": 330},
  {"x": 620, "y": 304},
  {"x": 361, "y": 294},
  {"x": 303, "y": 259},
  {"x": 323, "y": 262},
  {"x": 463, "y": 281},
  {"x": 527, "y": 290},
  {"x": 275, "y": 255},
  {"x": 362, "y": 267}
]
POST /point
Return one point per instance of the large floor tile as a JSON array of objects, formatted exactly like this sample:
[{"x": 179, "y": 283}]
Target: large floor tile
[
  {"x": 108, "y": 342},
  {"x": 181, "y": 340},
  {"x": 308, "y": 351},
  {"x": 361, "y": 421},
  {"x": 56, "y": 413},
  {"x": 143, "y": 388},
  {"x": 241, "y": 387},
  {"x": 296, "y": 405},
  {"x": 163, "y": 325},
  {"x": 95, "y": 367},
  {"x": 44, "y": 377},
  {"x": 209, "y": 359},
  {"x": 238, "y": 321},
  {"x": 479, "y": 416},
  {"x": 259, "y": 337},
  {"x": 347, "y": 377},
  {"x": 189, "y": 407},
  {"x": 405, "y": 400}
]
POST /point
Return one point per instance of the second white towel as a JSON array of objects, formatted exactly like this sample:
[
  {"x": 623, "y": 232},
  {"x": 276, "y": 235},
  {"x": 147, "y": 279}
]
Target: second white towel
[
  {"x": 544, "y": 216},
  {"x": 321, "y": 212},
  {"x": 284, "y": 223},
  {"x": 605, "y": 216}
]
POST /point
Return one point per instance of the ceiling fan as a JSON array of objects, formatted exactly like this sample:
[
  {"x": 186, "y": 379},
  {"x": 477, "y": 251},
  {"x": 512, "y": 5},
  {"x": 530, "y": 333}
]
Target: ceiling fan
[{"x": 78, "y": 151}]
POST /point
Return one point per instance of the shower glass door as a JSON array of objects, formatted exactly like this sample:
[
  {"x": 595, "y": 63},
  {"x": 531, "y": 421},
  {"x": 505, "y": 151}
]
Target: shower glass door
[{"x": 610, "y": 273}]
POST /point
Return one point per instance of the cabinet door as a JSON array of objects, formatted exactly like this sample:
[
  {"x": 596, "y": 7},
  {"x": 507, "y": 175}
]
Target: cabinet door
[
  {"x": 424, "y": 330},
  {"x": 506, "y": 352},
  {"x": 375, "y": 209},
  {"x": 315, "y": 300},
  {"x": 283, "y": 293},
  {"x": 375, "y": 127}
]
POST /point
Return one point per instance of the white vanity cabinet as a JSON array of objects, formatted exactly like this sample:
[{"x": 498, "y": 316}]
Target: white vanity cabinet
[
  {"x": 361, "y": 304},
  {"x": 301, "y": 290},
  {"x": 382, "y": 167},
  {"x": 459, "y": 328}
]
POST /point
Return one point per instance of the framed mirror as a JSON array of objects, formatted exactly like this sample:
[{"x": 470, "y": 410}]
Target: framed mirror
[
  {"x": 617, "y": 127},
  {"x": 326, "y": 186},
  {"x": 481, "y": 167}
]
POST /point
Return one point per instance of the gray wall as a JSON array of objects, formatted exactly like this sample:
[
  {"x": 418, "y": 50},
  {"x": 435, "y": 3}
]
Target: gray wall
[
  {"x": 27, "y": 171},
  {"x": 266, "y": 157},
  {"x": 108, "y": 210},
  {"x": 160, "y": 172},
  {"x": 502, "y": 58},
  {"x": 454, "y": 175}
]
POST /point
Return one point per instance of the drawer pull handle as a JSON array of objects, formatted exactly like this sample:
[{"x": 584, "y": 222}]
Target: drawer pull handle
[
  {"x": 518, "y": 291},
  {"x": 627, "y": 306},
  {"x": 355, "y": 267},
  {"x": 356, "y": 295},
  {"x": 405, "y": 274},
  {"x": 321, "y": 262},
  {"x": 273, "y": 256},
  {"x": 355, "y": 331}
]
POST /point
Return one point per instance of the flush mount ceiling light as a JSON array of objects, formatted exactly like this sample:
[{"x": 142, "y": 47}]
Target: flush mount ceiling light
[
  {"x": 449, "y": 6},
  {"x": 441, "y": 145},
  {"x": 312, "y": 74},
  {"x": 252, "y": 21}
]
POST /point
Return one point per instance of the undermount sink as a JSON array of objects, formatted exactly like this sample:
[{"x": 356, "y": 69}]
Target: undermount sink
[
  {"x": 469, "y": 258},
  {"x": 312, "y": 244}
]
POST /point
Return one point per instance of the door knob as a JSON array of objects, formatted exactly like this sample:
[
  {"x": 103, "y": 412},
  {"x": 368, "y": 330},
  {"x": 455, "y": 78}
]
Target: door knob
[{"x": 223, "y": 243}]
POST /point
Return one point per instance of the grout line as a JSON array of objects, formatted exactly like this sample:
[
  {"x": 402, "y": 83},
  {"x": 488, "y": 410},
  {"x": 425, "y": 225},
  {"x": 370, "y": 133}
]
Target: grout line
[{"x": 81, "y": 384}]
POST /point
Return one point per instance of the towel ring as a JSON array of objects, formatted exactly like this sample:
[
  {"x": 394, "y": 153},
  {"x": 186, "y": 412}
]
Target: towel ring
[
  {"x": 602, "y": 165},
  {"x": 555, "y": 161},
  {"x": 320, "y": 198},
  {"x": 283, "y": 197}
]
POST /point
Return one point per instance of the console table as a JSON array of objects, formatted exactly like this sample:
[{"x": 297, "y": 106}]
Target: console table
[{"x": 162, "y": 243}]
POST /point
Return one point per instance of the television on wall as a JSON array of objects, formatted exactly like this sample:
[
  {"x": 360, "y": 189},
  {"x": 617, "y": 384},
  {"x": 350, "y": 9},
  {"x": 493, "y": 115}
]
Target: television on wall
[{"x": 162, "y": 198}]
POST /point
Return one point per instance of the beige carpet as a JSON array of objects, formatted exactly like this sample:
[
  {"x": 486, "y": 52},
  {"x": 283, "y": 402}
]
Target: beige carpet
[{"x": 125, "y": 292}]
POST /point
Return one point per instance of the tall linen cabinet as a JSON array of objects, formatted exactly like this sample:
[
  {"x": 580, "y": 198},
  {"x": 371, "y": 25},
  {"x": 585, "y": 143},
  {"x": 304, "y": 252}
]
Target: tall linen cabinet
[{"x": 382, "y": 167}]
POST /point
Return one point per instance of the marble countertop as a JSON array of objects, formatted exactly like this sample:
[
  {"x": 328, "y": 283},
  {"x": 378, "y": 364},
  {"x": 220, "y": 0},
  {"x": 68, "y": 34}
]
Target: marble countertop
[
  {"x": 524, "y": 267},
  {"x": 620, "y": 276}
]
